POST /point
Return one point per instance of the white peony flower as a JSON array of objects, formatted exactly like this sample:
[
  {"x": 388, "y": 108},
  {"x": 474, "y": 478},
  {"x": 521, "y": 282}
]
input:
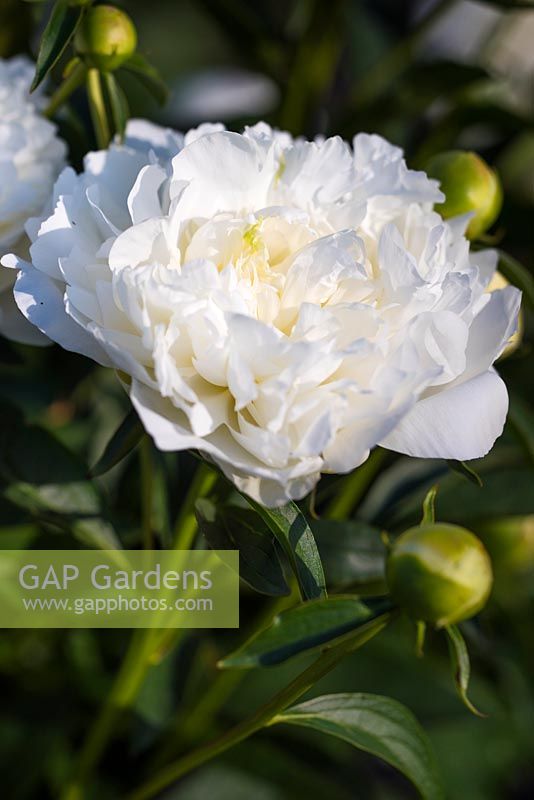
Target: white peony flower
[
  {"x": 282, "y": 306},
  {"x": 31, "y": 156}
]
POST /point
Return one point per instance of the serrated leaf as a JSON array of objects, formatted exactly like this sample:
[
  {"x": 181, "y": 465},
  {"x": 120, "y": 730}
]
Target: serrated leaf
[
  {"x": 377, "y": 725},
  {"x": 302, "y": 629},
  {"x": 352, "y": 553},
  {"x": 291, "y": 529},
  {"x": 461, "y": 666},
  {"x": 118, "y": 103},
  {"x": 147, "y": 75},
  {"x": 429, "y": 507},
  {"x": 518, "y": 275},
  {"x": 463, "y": 469},
  {"x": 59, "y": 30},
  {"x": 235, "y": 528},
  {"x": 126, "y": 437}
]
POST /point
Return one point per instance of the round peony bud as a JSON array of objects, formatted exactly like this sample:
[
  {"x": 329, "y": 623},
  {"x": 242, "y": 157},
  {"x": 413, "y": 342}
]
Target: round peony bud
[
  {"x": 469, "y": 185},
  {"x": 510, "y": 540},
  {"x": 439, "y": 573},
  {"x": 106, "y": 38}
]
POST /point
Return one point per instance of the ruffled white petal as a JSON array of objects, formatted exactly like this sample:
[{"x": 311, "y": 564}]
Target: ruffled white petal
[
  {"x": 281, "y": 306},
  {"x": 461, "y": 422}
]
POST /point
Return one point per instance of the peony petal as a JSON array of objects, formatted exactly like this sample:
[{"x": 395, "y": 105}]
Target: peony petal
[
  {"x": 14, "y": 326},
  {"x": 145, "y": 136},
  {"x": 41, "y": 301},
  {"x": 461, "y": 422}
]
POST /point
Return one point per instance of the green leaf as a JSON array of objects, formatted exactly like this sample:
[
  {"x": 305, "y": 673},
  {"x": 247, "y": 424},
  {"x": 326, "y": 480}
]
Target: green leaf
[
  {"x": 377, "y": 725},
  {"x": 33, "y": 455},
  {"x": 118, "y": 103},
  {"x": 59, "y": 30},
  {"x": 234, "y": 528},
  {"x": 429, "y": 507},
  {"x": 461, "y": 666},
  {"x": 518, "y": 275},
  {"x": 463, "y": 469},
  {"x": 353, "y": 555},
  {"x": 70, "y": 499},
  {"x": 147, "y": 75},
  {"x": 291, "y": 529},
  {"x": 521, "y": 418},
  {"x": 96, "y": 533},
  {"x": 301, "y": 629},
  {"x": 126, "y": 437}
]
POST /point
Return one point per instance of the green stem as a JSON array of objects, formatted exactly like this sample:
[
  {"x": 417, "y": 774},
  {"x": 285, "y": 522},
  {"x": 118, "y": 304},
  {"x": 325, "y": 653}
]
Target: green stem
[
  {"x": 315, "y": 61},
  {"x": 97, "y": 106},
  {"x": 124, "y": 691},
  {"x": 146, "y": 649},
  {"x": 188, "y": 726},
  {"x": 387, "y": 69},
  {"x": 354, "y": 486},
  {"x": 186, "y": 523},
  {"x": 147, "y": 484},
  {"x": 264, "y": 715},
  {"x": 64, "y": 91}
]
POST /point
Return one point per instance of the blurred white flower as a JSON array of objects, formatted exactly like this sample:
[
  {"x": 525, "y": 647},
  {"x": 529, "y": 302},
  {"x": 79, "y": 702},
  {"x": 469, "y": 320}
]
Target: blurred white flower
[
  {"x": 282, "y": 306},
  {"x": 31, "y": 156}
]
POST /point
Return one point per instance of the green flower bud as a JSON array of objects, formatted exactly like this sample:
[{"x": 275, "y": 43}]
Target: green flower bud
[
  {"x": 468, "y": 184},
  {"x": 439, "y": 573},
  {"x": 106, "y": 38},
  {"x": 510, "y": 542}
]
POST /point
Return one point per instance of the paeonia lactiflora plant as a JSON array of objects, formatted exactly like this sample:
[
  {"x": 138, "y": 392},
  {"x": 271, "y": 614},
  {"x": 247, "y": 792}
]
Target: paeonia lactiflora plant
[{"x": 282, "y": 308}]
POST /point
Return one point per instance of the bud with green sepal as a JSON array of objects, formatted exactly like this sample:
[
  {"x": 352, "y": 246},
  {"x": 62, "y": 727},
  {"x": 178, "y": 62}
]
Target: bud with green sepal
[
  {"x": 439, "y": 573},
  {"x": 469, "y": 185},
  {"x": 106, "y": 38}
]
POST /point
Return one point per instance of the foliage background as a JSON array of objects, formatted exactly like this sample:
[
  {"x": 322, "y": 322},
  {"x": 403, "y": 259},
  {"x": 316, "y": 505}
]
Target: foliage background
[{"x": 313, "y": 68}]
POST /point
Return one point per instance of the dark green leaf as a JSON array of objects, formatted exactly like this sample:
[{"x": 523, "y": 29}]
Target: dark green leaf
[
  {"x": 521, "y": 418},
  {"x": 429, "y": 507},
  {"x": 463, "y": 469},
  {"x": 118, "y": 103},
  {"x": 518, "y": 275},
  {"x": 33, "y": 455},
  {"x": 291, "y": 529},
  {"x": 73, "y": 499},
  {"x": 353, "y": 555},
  {"x": 60, "y": 29},
  {"x": 126, "y": 437},
  {"x": 148, "y": 76},
  {"x": 234, "y": 528},
  {"x": 461, "y": 666},
  {"x": 377, "y": 725},
  {"x": 301, "y": 629}
]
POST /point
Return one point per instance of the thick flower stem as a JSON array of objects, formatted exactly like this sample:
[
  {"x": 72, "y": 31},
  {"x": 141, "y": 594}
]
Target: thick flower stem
[
  {"x": 188, "y": 728},
  {"x": 147, "y": 485},
  {"x": 186, "y": 524},
  {"x": 354, "y": 486},
  {"x": 124, "y": 691},
  {"x": 147, "y": 645},
  {"x": 98, "y": 110},
  {"x": 63, "y": 92},
  {"x": 265, "y": 715}
]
